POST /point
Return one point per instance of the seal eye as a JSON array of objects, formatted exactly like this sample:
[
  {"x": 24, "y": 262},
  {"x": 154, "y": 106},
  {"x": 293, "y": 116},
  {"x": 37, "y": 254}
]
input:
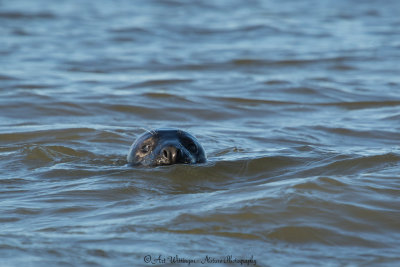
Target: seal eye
[
  {"x": 192, "y": 147},
  {"x": 145, "y": 148}
]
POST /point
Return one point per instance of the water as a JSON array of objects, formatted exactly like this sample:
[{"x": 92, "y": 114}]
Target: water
[{"x": 297, "y": 104}]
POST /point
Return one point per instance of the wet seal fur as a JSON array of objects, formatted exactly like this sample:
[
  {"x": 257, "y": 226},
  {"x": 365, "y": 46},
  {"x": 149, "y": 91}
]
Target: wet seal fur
[{"x": 166, "y": 147}]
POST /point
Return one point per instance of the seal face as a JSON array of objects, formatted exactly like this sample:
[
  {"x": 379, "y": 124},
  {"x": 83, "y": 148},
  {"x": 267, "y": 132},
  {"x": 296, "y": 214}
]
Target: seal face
[{"x": 166, "y": 147}]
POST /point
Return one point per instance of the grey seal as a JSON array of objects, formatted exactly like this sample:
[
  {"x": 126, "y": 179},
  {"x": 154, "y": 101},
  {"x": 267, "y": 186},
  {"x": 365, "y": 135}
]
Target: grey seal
[{"x": 166, "y": 147}]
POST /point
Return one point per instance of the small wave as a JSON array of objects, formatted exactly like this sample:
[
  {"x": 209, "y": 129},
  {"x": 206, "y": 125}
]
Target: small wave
[
  {"x": 151, "y": 83},
  {"x": 27, "y": 211},
  {"x": 363, "y": 164},
  {"x": 358, "y": 133},
  {"x": 248, "y": 101},
  {"x": 21, "y": 32},
  {"x": 288, "y": 62},
  {"x": 217, "y": 175},
  {"x": 24, "y": 15},
  {"x": 7, "y": 78},
  {"x": 343, "y": 67},
  {"x": 395, "y": 117},
  {"x": 276, "y": 82},
  {"x": 354, "y": 105},
  {"x": 326, "y": 236},
  {"x": 133, "y": 110},
  {"x": 36, "y": 154},
  {"x": 42, "y": 133},
  {"x": 129, "y": 30},
  {"x": 33, "y": 86}
]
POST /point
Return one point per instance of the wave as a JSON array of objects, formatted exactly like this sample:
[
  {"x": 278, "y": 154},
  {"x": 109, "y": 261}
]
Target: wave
[{"x": 15, "y": 15}]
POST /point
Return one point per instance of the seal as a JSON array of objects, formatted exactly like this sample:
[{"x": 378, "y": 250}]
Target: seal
[{"x": 166, "y": 147}]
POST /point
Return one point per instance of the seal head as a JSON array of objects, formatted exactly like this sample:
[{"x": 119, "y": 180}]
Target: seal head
[{"x": 166, "y": 147}]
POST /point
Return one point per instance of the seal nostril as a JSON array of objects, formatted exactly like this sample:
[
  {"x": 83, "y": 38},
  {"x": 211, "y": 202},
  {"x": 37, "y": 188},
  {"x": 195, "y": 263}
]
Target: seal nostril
[
  {"x": 169, "y": 154},
  {"x": 165, "y": 153}
]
